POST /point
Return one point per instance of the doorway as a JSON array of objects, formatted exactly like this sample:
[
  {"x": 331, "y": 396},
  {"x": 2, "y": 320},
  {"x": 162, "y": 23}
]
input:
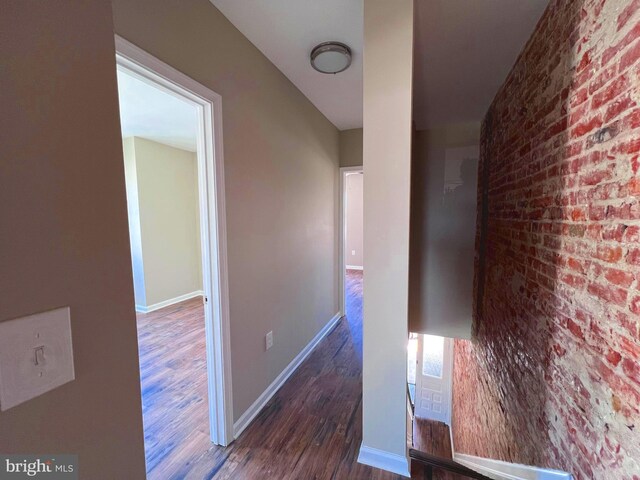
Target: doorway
[
  {"x": 207, "y": 190},
  {"x": 351, "y": 237},
  {"x": 432, "y": 376}
]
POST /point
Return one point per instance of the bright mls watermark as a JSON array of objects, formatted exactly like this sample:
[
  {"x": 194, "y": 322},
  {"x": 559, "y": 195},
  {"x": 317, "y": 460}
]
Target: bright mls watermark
[{"x": 51, "y": 467}]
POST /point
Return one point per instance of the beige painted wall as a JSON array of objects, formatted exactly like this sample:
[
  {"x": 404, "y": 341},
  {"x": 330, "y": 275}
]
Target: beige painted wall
[
  {"x": 281, "y": 161},
  {"x": 443, "y": 229},
  {"x": 133, "y": 216},
  {"x": 354, "y": 218},
  {"x": 64, "y": 230},
  {"x": 351, "y": 148},
  {"x": 388, "y": 48},
  {"x": 166, "y": 184}
]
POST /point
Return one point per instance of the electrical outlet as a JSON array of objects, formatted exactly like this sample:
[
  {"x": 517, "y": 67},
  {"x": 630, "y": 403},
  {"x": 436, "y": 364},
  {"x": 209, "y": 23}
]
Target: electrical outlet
[
  {"x": 268, "y": 340},
  {"x": 353, "y": 252}
]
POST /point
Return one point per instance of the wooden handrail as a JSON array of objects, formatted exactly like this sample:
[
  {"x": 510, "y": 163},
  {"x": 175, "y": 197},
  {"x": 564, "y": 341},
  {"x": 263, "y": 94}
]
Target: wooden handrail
[{"x": 431, "y": 461}]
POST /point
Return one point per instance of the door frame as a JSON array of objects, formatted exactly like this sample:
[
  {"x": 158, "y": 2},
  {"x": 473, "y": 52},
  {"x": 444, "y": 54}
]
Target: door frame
[
  {"x": 344, "y": 171},
  {"x": 448, "y": 381},
  {"x": 213, "y": 236}
]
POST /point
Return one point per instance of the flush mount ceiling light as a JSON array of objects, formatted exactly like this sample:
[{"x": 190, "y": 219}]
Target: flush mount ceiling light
[{"x": 331, "y": 57}]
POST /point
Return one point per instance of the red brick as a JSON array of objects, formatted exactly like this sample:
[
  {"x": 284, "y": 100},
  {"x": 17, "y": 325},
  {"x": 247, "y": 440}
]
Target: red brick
[
  {"x": 585, "y": 61},
  {"x": 629, "y": 146},
  {"x": 614, "y": 358},
  {"x": 631, "y": 369},
  {"x": 635, "y": 305},
  {"x": 608, "y": 293},
  {"x": 573, "y": 280},
  {"x": 610, "y": 92},
  {"x": 619, "y": 277},
  {"x": 586, "y": 126},
  {"x": 618, "y": 106},
  {"x": 628, "y": 347},
  {"x": 579, "y": 97},
  {"x": 630, "y": 57},
  {"x": 557, "y": 333},
  {"x": 628, "y": 13},
  {"x": 574, "y": 328},
  {"x": 634, "y": 186},
  {"x": 608, "y": 254},
  {"x": 612, "y": 51},
  {"x": 597, "y": 213},
  {"x": 576, "y": 265},
  {"x": 633, "y": 257},
  {"x": 578, "y": 214},
  {"x": 602, "y": 78},
  {"x": 632, "y": 120},
  {"x": 596, "y": 177},
  {"x": 632, "y": 234},
  {"x": 613, "y": 232}
]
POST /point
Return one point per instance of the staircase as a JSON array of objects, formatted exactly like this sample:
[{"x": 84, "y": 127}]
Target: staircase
[
  {"x": 437, "y": 468},
  {"x": 431, "y": 453}
]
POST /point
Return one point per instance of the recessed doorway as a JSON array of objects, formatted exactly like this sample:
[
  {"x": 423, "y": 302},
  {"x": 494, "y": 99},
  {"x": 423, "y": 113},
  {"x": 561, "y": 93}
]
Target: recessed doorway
[{"x": 351, "y": 235}]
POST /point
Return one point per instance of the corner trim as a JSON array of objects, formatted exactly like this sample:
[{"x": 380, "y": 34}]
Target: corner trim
[
  {"x": 247, "y": 417},
  {"x": 391, "y": 462},
  {"x": 171, "y": 301},
  {"x": 500, "y": 470}
]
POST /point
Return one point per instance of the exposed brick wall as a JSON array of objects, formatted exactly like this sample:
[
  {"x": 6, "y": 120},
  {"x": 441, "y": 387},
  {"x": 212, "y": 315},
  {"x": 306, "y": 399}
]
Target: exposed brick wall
[{"x": 552, "y": 376}]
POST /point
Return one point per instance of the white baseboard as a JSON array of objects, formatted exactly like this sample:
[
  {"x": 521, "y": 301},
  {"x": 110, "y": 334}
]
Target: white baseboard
[
  {"x": 247, "y": 417},
  {"x": 353, "y": 267},
  {"x": 499, "y": 470},
  {"x": 171, "y": 301},
  {"x": 391, "y": 462}
]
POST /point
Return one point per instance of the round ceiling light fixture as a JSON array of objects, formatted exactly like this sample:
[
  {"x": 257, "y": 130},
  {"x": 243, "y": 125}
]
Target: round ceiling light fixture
[{"x": 331, "y": 57}]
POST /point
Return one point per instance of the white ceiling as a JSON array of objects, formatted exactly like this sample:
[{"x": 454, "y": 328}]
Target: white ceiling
[
  {"x": 464, "y": 50},
  {"x": 286, "y": 31},
  {"x": 148, "y": 112}
]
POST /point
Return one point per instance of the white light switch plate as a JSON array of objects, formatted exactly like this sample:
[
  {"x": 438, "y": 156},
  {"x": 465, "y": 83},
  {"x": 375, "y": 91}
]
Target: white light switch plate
[
  {"x": 268, "y": 340},
  {"x": 36, "y": 356}
]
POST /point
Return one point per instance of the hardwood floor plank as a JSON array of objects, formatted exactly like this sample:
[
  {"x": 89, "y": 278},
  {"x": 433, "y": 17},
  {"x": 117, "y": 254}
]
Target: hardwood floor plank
[
  {"x": 310, "y": 429},
  {"x": 173, "y": 375},
  {"x": 432, "y": 437}
]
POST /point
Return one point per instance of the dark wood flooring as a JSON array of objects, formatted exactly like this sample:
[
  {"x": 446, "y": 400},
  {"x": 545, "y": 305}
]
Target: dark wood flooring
[
  {"x": 432, "y": 437},
  {"x": 310, "y": 429}
]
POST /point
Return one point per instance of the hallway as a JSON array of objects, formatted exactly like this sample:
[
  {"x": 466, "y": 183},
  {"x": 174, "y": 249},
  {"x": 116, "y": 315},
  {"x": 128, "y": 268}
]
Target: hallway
[{"x": 311, "y": 428}]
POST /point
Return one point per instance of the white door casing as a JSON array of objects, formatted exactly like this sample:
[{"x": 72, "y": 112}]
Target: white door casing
[{"x": 143, "y": 66}]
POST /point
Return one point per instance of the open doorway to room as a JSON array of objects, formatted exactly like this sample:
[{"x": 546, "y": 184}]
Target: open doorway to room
[
  {"x": 161, "y": 172},
  {"x": 351, "y": 243},
  {"x": 174, "y": 182}
]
